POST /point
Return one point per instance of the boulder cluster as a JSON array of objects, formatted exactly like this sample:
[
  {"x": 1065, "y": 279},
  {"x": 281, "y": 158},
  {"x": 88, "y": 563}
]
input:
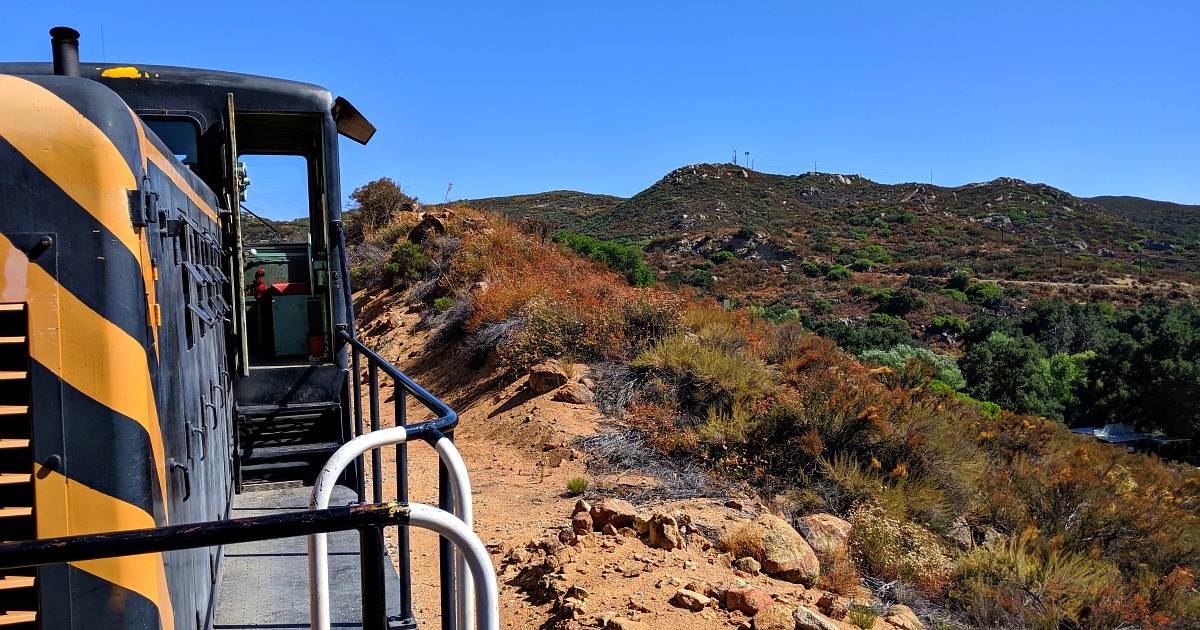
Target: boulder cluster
[{"x": 759, "y": 549}]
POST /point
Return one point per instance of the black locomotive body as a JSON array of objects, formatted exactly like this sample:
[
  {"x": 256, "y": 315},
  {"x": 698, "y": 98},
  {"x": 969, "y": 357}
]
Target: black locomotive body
[{"x": 144, "y": 375}]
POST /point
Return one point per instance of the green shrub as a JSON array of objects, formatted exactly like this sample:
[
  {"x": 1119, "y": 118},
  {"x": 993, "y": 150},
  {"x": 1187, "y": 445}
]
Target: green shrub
[
  {"x": 954, "y": 294},
  {"x": 944, "y": 368},
  {"x": 723, "y": 257},
  {"x": 959, "y": 280},
  {"x": 577, "y": 486},
  {"x": 862, "y": 264},
  {"x": 948, "y": 324},
  {"x": 406, "y": 262},
  {"x": 624, "y": 259},
  {"x": 837, "y": 273},
  {"x": 746, "y": 233},
  {"x": 810, "y": 269},
  {"x": 861, "y": 616},
  {"x": 443, "y": 303}
]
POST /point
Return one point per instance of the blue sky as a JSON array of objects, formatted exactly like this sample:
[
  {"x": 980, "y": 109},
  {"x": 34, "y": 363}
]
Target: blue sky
[{"x": 506, "y": 98}]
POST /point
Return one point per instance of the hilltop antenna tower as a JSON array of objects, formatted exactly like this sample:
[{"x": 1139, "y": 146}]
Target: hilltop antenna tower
[
  {"x": 735, "y": 157},
  {"x": 448, "y": 188}
]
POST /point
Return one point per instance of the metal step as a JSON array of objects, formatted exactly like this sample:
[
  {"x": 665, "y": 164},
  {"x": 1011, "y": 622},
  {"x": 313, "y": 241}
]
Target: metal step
[
  {"x": 16, "y": 581},
  {"x": 14, "y": 478},
  {"x": 258, "y": 453},
  {"x": 14, "y": 410},
  {"x": 14, "y": 443},
  {"x": 14, "y": 617}
]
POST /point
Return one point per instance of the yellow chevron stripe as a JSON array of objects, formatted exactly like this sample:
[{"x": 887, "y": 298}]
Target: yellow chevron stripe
[
  {"x": 71, "y": 151},
  {"x": 87, "y": 351},
  {"x": 66, "y": 507}
]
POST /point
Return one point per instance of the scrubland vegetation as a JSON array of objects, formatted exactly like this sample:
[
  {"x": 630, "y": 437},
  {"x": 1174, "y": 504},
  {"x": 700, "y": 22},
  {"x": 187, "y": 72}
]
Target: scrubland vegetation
[{"x": 963, "y": 484}]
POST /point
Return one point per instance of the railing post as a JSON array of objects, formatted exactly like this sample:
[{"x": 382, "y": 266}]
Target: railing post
[
  {"x": 359, "y": 469},
  {"x": 376, "y": 462},
  {"x": 446, "y": 549},
  {"x": 374, "y": 595},
  {"x": 404, "y": 557}
]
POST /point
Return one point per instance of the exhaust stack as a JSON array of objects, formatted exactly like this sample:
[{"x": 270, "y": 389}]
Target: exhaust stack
[{"x": 65, "y": 41}]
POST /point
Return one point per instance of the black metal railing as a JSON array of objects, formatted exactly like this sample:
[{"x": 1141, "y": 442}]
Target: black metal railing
[{"x": 372, "y": 550}]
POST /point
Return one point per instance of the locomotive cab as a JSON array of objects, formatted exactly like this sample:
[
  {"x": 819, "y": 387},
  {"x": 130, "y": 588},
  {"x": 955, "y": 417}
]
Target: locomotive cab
[{"x": 282, "y": 295}]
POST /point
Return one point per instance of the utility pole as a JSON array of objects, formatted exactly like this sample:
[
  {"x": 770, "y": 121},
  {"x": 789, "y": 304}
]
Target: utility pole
[
  {"x": 747, "y": 162},
  {"x": 814, "y": 166},
  {"x": 930, "y": 178}
]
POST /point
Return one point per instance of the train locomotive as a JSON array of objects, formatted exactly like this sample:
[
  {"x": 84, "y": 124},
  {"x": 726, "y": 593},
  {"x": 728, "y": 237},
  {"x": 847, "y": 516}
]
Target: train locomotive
[{"x": 151, "y": 362}]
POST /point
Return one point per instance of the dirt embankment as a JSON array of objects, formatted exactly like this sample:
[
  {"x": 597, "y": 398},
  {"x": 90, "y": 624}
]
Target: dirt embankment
[{"x": 521, "y": 448}]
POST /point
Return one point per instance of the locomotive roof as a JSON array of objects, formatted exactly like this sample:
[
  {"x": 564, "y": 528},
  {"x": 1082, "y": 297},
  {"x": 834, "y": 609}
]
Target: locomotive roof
[{"x": 147, "y": 87}]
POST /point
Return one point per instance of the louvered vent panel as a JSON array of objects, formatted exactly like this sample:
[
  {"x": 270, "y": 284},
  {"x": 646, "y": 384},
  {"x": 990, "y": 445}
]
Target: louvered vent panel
[{"x": 18, "y": 587}]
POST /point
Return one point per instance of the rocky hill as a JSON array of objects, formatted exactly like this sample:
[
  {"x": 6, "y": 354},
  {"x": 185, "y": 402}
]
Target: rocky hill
[
  {"x": 1004, "y": 228},
  {"x": 1178, "y": 220}
]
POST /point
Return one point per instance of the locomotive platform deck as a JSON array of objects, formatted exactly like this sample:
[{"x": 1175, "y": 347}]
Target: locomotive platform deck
[{"x": 265, "y": 584}]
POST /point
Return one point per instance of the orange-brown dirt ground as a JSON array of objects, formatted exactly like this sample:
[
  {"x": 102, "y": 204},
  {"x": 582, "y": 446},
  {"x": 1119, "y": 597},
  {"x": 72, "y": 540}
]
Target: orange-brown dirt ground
[{"x": 512, "y": 441}]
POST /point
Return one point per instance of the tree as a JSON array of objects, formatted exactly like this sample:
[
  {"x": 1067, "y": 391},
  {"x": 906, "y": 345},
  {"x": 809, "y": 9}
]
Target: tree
[
  {"x": 1007, "y": 370},
  {"x": 377, "y": 203}
]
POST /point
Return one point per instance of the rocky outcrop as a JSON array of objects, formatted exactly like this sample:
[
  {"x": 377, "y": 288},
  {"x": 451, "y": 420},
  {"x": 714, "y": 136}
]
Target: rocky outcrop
[
  {"x": 809, "y": 620},
  {"x": 690, "y": 600},
  {"x": 547, "y": 376},
  {"x": 749, "y": 600},
  {"x": 428, "y": 224},
  {"x": 664, "y": 532},
  {"x": 903, "y": 618},
  {"x": 775, "y": 617},
  {"x": 615, "y": 512},
  {"x": 575, "y": 393},
  {"x": 780, "y": 550},
  {"x": 824, "y": 532}
]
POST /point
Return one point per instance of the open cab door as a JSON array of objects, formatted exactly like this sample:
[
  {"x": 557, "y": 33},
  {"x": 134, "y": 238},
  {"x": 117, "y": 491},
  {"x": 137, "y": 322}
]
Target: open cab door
[{"x": 235, "y": 185}]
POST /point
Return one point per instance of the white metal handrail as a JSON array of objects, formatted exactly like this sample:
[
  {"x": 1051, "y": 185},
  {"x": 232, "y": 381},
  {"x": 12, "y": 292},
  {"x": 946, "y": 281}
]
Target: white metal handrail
[{"x": 473, "y": 558}]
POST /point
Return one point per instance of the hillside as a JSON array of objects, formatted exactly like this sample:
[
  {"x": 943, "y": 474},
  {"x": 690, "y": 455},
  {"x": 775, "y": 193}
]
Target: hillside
[
  {"x": 570, "y": 209},
  {"x": 1175, "y": 219},
  {"x": 774, "y": 477},
  {"x": 1005, "y": 228}
]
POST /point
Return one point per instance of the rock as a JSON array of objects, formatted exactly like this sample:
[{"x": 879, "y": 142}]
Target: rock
[
  {"x": 578, "y": 592},
  {"x": 735, "y": 504},
  {"x": 546, "y": 376},
  {"x": 748, "y": 600},
  {"x": 624, "y": 623},
  {"x": 780, "y": 549},
  {"x": 567, "y": 535},
  {"x": 747, "y": 564},
  {"x": 703, "y": 588},
  {"x": 609, "y": 530},
  {"x": 615, "y": 512},
  {"x": 581, "y": 523},
  {"x": 581, "y": 506},
  {"x": 808, "y": 620},
  {"x": 690, "y": 600},
  {"x": 574, "y": 393},
  {"x": 903, "y": 618},
  {"x": 831, "y": 606},
  {"x": 824, "y": 532},
  {"x": 775, "y": 617},
  {"x": 664, "y": 532},
  {"x": 428, "y": 224},
  {"x": 641, "y": 525},
  {"x": 960, "y": 532}
]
